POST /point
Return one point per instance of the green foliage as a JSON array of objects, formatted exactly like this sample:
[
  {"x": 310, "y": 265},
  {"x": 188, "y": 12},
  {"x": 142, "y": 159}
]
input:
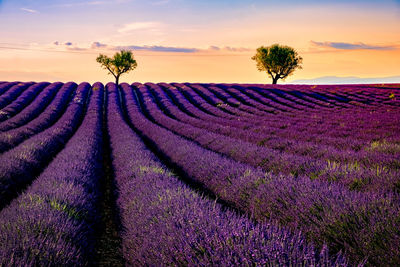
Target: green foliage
[
  {"x": 121, "y": 62},
  {"x": 278, "y": 61}
]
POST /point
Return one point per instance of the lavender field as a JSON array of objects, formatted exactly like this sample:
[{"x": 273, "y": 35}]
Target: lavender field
[{"x": 187, "y": 174}]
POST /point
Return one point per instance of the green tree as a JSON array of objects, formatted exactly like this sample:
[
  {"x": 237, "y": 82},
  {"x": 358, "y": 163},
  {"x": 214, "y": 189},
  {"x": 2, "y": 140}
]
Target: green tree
[
  {"x": 121, "y": 62},
  {"x": 279, "y": 61}
]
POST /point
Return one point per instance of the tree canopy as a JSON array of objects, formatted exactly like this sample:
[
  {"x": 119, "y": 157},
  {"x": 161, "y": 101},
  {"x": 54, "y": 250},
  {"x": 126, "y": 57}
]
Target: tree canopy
[
  {"x": 121, "y": 62},
  {"x": 279, "y": 61}
]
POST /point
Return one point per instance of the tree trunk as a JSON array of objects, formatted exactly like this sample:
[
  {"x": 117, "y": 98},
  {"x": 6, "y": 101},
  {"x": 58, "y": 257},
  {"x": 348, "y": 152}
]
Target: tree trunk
[
  {"x": 116, "y": 81},
  {"x": 275, "y": 79}
]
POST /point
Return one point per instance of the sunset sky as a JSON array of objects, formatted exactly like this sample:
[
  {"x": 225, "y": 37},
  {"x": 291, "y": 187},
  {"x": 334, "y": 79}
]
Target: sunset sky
[{"x": 196, "y": 41}]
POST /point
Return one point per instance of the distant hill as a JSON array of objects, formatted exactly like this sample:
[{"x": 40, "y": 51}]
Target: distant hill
[{"x": 347, "y": 80}]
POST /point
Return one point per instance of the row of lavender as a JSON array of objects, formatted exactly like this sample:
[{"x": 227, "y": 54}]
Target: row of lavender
[
  {"x": 293, "y": 126},
  {"x": 21, "y": 163},
  {"x": 151, "y": 199},
  {"x": 167, "y": 223},
  {"x": 327, "y": 119},
  {"x": 379, "y": 123},
  {"x": 325, "y": 212},
  {"x": 361, "y": 170},
  {"x": 277, "y": 123},
  {"x": 53, "y": 219},
  {"x": 52, "y": 223}
]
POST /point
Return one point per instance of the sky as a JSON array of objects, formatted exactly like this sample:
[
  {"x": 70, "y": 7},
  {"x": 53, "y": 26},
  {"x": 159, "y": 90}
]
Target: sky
[{"x": 197, "y": 41}]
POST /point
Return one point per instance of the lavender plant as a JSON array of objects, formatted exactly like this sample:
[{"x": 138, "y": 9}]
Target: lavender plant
[
  {"x": 251, "y": 190},
  {"x": 46, "y": 119},
  {"x": 33, "y": 109},
  {"x": 166, "y": 223},
  {"x": 21, "y": 165},
  {"x": 53, "y": 223},
  {"x": 23, "y": 100},
  {"x": 13, "y": 93}
]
